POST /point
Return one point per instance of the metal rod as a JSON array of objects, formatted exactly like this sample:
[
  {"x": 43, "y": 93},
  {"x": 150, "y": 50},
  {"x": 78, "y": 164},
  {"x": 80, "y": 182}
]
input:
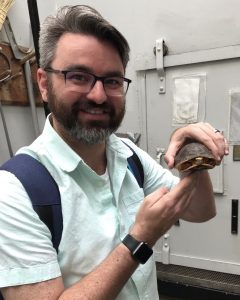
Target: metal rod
[
  {"x": 6, "y": 131},
  {"x": 28, "y": 76},
  {"x": 35, "y": 25}
]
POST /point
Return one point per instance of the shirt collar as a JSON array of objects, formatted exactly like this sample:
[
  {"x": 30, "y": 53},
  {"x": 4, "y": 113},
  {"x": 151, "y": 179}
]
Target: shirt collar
[
  {"x": 116, "y": 144},
  {"x": 66, "y": 158}
]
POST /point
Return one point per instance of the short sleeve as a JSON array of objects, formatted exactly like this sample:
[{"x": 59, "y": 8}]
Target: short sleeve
[{"x": 26, "y": 251}]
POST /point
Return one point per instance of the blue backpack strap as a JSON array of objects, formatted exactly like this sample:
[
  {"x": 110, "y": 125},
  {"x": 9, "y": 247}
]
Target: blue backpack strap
[
  {"x": 42, "y": 190},
  {"x": 135, "y": 166}
]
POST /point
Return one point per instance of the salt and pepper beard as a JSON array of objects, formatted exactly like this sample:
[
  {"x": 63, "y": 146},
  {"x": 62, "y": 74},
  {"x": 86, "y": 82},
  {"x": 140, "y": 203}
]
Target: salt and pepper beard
[{"x": 94, "y": 132}]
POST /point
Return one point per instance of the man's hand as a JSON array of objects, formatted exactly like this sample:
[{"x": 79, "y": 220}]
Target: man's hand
[
  {"x": 161, "y": 209},
  {"x": 201, "y": 132}
]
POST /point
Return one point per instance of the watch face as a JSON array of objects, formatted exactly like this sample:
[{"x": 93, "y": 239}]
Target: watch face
[{"x": 142, "y": 253}]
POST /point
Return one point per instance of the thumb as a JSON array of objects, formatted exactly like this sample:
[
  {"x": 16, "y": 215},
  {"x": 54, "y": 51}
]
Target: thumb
[{"x": 170, "y": 156}]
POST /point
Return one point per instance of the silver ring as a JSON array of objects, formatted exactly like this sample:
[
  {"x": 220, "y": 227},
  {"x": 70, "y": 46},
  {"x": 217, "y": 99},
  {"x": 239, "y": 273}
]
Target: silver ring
[{"x": 216, "y": 130}]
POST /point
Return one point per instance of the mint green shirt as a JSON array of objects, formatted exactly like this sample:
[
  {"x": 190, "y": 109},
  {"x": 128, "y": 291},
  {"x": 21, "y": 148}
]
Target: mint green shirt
[{"x": 97, "y": 214}]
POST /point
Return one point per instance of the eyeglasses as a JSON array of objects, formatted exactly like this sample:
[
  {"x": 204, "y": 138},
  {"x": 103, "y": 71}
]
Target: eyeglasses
[{"x": 83, "y": 82}]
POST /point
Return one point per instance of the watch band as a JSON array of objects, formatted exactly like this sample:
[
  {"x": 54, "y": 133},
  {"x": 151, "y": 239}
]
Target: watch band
[
  {"x": 140, "y": 251},
  {"x": 130, "y": 242}
]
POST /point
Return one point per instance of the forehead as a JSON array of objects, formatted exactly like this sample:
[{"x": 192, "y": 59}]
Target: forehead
[{"x": 79, "y": 49}]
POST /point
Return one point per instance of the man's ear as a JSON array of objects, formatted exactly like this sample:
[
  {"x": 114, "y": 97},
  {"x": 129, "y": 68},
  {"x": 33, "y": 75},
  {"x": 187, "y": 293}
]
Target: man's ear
[{"x": 42, "y": 83}]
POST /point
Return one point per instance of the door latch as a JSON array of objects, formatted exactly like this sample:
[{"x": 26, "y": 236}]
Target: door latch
[{"x": 160, "y": 50}]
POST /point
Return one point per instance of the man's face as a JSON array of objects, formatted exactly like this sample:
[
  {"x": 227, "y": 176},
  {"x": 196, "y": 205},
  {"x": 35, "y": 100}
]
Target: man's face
[{"x": 90, "y": 117}]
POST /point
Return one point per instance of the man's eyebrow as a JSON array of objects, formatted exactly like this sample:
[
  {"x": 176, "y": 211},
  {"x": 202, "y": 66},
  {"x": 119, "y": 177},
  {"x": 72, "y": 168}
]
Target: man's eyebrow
[
  {"x": 114, "y": 74},
  {"x": 78, "y": 68},
  {"x": 89, "y": 70}
]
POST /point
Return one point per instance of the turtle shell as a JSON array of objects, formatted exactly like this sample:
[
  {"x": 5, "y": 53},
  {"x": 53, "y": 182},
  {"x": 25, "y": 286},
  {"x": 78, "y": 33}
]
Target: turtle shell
[{"x": 194, "y": 156}]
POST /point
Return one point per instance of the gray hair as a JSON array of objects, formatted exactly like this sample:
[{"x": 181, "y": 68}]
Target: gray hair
[{"x": 81, "y": 19}]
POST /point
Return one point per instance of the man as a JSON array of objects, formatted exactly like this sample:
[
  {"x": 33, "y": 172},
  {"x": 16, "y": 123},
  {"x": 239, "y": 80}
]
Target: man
[{"x": 83, "y": 60}]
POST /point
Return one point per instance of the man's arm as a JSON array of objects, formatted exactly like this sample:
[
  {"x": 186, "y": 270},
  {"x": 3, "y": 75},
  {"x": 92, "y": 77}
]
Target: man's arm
[
  {"x": 105, "y": 282},
  {"x": 46, "y": 290},
  {"x": 202, "y": 205}
]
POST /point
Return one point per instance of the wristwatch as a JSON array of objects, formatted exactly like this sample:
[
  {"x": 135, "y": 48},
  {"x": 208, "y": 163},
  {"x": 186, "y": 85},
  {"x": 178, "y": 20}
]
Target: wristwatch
[{"x": 139, "y": 250}]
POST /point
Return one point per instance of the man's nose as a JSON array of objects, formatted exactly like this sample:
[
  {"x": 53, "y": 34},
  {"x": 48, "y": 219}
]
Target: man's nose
[{"x": 97, "y": 93}]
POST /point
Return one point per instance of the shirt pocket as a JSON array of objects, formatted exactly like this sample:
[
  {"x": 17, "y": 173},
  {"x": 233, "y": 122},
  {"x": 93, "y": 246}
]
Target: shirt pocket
[{"x": 132, "y": 202}]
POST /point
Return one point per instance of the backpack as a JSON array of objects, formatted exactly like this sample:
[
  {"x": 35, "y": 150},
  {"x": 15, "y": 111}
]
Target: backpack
[{"x": 39, "y": 184}]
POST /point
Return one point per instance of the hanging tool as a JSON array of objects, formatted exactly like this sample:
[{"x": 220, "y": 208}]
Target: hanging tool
[
  {"x": 5, "y": 66},
  {"x": 24, "y": 58},
  {"x": 4, "y": 8}
]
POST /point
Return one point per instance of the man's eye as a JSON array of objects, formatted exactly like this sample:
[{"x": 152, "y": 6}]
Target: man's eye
[
  {"x": 114, "y": 81},
  {"x": 78, "y": 77}
]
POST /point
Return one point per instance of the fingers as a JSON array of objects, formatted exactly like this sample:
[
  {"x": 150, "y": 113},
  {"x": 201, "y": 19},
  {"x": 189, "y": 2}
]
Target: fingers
[
  {"x": 213, "y": 139},
  {"x": 161, "y": 209},
  {"x": 169, "y": 157},
  {"x": 202, "y": 132},
  {"x": 177, "y": 140},
  {"x": 179, "y": 198},
  {"x": 154, "y": 197},
  {"x": 226, "y": 146},
  {"x": 179, "y": 194}
]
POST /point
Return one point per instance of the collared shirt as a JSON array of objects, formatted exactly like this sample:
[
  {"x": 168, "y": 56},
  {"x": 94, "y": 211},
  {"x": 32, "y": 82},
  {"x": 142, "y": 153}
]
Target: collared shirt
[{"x": 97, "y": 214}]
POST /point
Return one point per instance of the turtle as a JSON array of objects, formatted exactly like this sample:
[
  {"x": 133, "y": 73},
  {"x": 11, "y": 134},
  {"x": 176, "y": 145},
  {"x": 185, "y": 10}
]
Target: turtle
[{"x": 194, "y": 156}]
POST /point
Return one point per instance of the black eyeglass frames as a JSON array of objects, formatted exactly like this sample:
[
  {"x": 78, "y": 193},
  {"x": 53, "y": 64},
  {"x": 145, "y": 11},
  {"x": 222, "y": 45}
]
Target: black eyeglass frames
[{"x": 83, "y": 82}]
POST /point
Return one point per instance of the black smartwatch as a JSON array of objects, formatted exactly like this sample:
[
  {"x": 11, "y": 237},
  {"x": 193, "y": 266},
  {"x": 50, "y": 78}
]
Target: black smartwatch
[{"x": 139, "y": 250}]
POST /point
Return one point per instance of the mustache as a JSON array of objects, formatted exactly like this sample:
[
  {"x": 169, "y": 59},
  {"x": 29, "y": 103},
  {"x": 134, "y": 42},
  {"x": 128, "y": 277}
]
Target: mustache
[{"x": 85, "y": 105}]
